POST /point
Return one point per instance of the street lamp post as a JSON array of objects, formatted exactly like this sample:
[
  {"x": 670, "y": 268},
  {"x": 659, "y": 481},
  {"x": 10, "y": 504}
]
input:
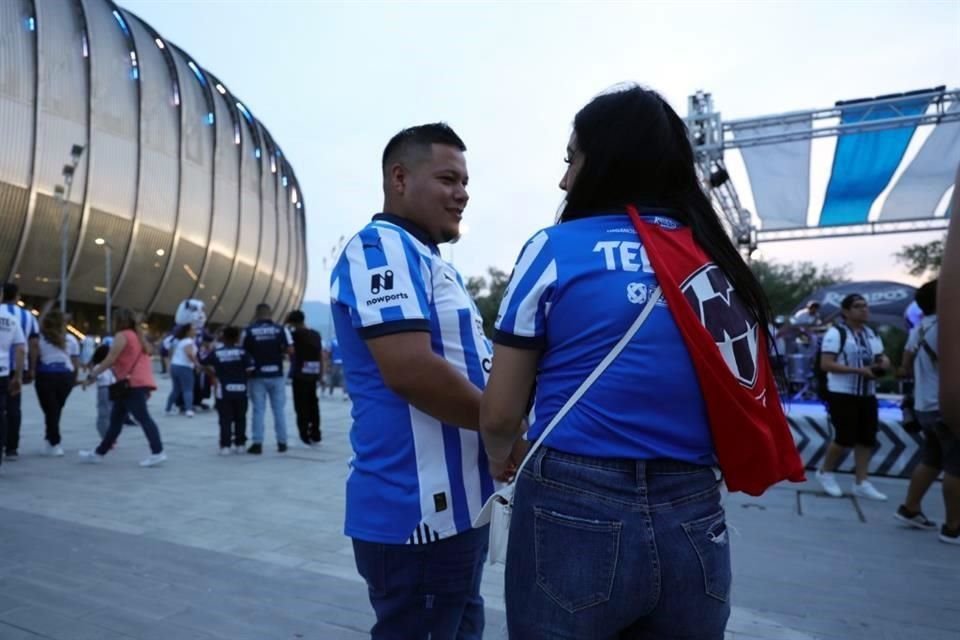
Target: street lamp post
[
  {"x": 63, "y": 193},
  {"x": 108, "y": 251}
]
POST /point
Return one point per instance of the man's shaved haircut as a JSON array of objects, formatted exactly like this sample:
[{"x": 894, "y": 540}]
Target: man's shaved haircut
[{"x": 412, "y": 146}]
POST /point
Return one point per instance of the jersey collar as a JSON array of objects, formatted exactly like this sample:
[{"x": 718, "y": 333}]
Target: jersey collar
[{"x": 412, "y": 228}]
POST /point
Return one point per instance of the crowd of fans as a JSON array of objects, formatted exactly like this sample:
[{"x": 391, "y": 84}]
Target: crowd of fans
[{"x": 235, "y": 367}]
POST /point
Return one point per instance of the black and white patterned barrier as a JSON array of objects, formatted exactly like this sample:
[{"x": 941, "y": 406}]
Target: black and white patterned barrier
[{"x": 896, "y": 454}]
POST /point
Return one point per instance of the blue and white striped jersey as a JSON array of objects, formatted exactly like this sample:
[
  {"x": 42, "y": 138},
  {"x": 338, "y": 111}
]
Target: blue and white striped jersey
[
  {"x": 576, "y": 289},
  {"x": 413, "y": 479},
  {"x": 28, "y": 324}
]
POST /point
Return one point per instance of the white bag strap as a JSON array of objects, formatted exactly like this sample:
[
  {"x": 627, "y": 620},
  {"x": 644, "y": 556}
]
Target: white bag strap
[{"x": 582, "y": 389}]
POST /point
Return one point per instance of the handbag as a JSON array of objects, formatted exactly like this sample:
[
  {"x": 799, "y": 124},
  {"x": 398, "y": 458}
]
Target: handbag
[
  {"x": 498, "y": 509},
  {"x": 121, "y": 388}
]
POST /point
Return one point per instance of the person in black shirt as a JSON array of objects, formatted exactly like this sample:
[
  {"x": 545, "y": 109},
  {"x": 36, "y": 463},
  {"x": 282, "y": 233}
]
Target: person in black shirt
[
  {"x": 306, "y": 371},
  {"x": 267, "y": 343},
  {"x": 230, "y": 365}
]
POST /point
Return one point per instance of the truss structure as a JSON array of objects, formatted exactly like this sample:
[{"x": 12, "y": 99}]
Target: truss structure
[{"x": 711, "y": 136}]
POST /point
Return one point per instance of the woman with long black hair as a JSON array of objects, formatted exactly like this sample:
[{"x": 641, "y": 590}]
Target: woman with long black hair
[
  {"x": 644, "y": 332},
  {"x": 57, "y": 362}
]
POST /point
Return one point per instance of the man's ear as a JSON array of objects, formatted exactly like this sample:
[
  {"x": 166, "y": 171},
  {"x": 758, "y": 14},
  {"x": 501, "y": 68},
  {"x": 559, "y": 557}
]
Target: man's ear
[{"x": 397, "y": 179}]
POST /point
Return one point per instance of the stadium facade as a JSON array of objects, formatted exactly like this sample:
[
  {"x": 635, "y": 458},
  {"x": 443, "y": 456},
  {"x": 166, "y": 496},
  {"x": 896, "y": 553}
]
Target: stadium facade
[{"x": 189, "y": 191}]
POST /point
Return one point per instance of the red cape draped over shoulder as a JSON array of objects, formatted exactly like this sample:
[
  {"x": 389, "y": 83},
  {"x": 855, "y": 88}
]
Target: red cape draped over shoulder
[{"x": 751, "y": 436}]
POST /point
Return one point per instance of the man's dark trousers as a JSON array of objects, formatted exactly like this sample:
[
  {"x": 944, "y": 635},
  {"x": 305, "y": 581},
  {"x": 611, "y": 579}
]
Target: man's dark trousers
[
  {"x": 422, "y": 591},
  {"x": 4, "y": 395},
  {"x": 307, "y": 407},
  {"x": 232, "y": 412},
  {"x": 11, "y": 417}
]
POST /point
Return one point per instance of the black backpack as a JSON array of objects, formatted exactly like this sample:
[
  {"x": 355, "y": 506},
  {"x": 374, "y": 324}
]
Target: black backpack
[{"x": 819, "y": 374}]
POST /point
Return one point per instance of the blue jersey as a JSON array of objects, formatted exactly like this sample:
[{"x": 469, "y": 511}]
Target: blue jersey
[
  {"x": 28, "y": 324},
  {"x": 576, "y": 289},
  {"x": 413, "y": 479},
  {"x": 267, "y": 343},
  {"x": 232, "y": 365}
]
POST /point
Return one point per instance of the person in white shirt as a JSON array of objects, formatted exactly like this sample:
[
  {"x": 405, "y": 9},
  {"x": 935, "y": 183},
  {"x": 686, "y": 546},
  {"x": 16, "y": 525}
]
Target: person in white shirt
[
  {"x": 12, "y": 347},
  {"x": 183, "y": 364},
  {"x": 941, "y": 447},
  {"x": 852, "y": 355},
  {"x": 57, "y": 362},
  {"x": 808, "y": 316},
  {"x": 11, "y": 307},
  {"x": 104, "y": 380}
]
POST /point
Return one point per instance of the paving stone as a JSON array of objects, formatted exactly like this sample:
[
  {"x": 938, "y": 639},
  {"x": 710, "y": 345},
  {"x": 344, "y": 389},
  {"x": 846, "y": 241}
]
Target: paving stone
[{"x": 214, "y": 548}]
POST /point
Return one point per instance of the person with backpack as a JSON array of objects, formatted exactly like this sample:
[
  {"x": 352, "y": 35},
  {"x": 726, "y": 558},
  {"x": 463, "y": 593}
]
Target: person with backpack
[
  {"x": 852, "y": 356},
  {"x": 941, "y": 448}
]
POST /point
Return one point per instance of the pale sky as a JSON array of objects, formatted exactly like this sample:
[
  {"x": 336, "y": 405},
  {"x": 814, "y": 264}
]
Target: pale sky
[{"x": 334, "y": 81}]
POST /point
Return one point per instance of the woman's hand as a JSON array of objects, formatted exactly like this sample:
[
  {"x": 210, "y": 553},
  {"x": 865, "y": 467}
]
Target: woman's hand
[{"x": 505, "y": 469}]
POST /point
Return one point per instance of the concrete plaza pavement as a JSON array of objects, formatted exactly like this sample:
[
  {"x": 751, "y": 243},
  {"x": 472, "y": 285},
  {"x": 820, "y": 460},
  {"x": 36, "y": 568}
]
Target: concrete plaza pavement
[{"x": 208, "y": 547}]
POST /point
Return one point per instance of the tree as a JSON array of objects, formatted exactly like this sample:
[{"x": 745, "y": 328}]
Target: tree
[
  {"x": 922, "y": 259},
  {"x": 488, "y": 294},
  {"x": 789, "y": 285}
]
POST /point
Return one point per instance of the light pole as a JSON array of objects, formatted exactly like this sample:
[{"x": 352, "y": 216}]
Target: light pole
[
  {"x": 63, "y": 193},
  {"x": 108, "y": 251}
]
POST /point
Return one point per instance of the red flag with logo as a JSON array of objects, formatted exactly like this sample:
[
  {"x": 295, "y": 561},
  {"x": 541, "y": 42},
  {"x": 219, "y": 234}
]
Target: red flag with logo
[{"x": 729, "y": 350}]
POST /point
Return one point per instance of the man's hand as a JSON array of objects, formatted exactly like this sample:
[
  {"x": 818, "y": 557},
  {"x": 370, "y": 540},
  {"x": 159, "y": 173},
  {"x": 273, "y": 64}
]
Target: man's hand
[
  {"x": 867, "y": 373},
  {"x": 27, "y": 377},
  {"x": 14, "y": 386}
]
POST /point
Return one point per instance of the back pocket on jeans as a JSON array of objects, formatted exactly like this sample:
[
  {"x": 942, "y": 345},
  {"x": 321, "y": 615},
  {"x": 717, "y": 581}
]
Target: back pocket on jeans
[
  {"x": 711, "y": 541},
  {"x": 576, "y": 558}
]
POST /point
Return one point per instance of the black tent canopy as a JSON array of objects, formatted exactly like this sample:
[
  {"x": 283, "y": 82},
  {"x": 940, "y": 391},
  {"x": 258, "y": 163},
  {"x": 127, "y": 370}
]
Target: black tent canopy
[{"x": 888, "y": 300}]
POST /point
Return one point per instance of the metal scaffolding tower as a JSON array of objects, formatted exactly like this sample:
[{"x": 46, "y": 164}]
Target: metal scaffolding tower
[{"x": 711, "y": 137}]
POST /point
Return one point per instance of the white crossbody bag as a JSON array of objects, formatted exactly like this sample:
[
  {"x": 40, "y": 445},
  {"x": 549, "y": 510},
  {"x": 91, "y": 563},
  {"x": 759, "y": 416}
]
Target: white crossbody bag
[{"x": 498, "y": 508}]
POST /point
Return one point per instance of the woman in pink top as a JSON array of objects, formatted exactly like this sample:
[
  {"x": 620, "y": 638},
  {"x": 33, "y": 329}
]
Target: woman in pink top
[{"x": 129, "y": 357}]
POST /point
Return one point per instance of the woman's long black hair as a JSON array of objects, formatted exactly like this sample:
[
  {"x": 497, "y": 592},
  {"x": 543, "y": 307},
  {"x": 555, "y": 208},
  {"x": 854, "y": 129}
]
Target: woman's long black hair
[{"x": 636, "y": 151}]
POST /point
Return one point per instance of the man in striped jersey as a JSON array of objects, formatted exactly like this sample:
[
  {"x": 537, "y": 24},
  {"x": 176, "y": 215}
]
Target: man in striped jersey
[
  {"x": 415, "y": 360},
  {"x": 31, "y": 331}
]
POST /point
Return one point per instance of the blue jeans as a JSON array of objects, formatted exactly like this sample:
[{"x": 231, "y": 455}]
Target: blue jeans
[
  {"x": 135, "y": 404},
  {"x": 426, "y": 591},
  {"x": 182, "y": 378},
  {"x": 260, "y": 389},
  {"x": 611, "y": 548},
  {"x": 4, "y": 386}
]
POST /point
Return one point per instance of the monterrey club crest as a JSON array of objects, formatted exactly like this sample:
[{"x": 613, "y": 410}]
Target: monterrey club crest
[{"x": 724, "y": 315}]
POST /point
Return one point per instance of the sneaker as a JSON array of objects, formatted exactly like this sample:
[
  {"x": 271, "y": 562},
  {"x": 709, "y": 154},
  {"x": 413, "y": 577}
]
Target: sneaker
[
  {"x": 238, "y": 449},
  {"x": 914, "y": 519},
  {"x": 948, "y": 536},
  {"x": 56, "y": 451},
  {"x": 90, "y": 457},
  {"x": 12, "y": 456},
  {"x": 154, "y": 459},
  {"x": 171, "y": 412},
  {"x": 190, "y": 414},
  {"x": 256, "y": 448},
  {"x": 225, "y": 451},
  {"x": 281, "y": 447},
  {"x": 829, "y": 484},
  {"x": 868, "y": 491}
]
